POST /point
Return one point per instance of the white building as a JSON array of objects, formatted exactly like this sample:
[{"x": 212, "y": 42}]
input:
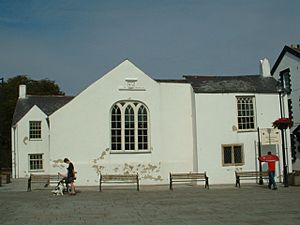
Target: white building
[
  {"x": 126, "y": 122},
  {"x": 289, "y": 59}
]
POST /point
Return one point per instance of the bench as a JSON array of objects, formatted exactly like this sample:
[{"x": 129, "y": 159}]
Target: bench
[
  {"x": 4, "y": 178},
  {"x": 249, "y": 175},
  {"x": 119, "y": 178},
  {"x": 188, "y": 177},
  {"x": 294, "y": 178},
  {"x": 5, "y": 175},
  {"x": 45, "y": 179}
]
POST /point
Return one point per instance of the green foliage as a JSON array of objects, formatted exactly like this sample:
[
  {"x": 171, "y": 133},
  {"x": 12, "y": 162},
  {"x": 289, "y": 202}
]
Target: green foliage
[{"x": 9, "y": 93}]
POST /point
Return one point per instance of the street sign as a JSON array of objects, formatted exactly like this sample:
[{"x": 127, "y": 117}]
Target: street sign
[{"x": 270, "y": 136}]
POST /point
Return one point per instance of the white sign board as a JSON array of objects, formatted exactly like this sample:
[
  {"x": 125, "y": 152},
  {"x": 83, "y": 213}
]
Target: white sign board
[{"x": 269, "y": 136}]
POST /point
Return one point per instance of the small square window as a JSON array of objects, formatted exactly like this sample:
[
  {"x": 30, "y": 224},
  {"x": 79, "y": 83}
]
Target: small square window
[
  {"x": 36, "y": 162},
  {"x": 232, "y": 155}
]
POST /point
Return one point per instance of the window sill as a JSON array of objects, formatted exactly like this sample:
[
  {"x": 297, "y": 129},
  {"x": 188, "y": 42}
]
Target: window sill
[
  {"x": 247, "y": 131},
  {"x": 36, "y": 171},
  {"x": 130, "y": 151},
  {"x": 35, "y": 139},
  {"x": 233, "y": 165}
]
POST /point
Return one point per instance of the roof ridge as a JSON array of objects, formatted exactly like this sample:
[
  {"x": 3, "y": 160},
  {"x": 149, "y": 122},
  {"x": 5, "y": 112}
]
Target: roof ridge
[
  {"x": 221, "y": 76},
  {"x": 67, "y": 96}
]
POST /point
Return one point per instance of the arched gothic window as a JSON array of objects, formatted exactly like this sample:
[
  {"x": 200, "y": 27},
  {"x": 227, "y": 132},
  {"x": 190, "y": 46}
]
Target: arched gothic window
[{"x": 129, "y": 127}]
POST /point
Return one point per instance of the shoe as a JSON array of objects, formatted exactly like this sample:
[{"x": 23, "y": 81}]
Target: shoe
[
  {"x": 274, "y": 188},
  {"x": 74, "y": 193}
]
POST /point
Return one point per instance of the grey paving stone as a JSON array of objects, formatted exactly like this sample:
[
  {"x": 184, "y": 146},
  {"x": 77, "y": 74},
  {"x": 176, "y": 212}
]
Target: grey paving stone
[{"x": 186, "y": 205}]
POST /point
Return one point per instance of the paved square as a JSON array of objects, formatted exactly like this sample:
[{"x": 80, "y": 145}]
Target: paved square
[{"x": 186, "y": 205}]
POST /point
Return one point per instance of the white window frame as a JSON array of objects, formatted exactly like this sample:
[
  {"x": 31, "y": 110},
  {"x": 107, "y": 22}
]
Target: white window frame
[
  {"x": 233, "y": 163},
  {"x": 36, "y": 162},
  {"x": 245, "y": 113},
  {"x": 35, "y": 130},
  {"x": 140, "y": 139}
]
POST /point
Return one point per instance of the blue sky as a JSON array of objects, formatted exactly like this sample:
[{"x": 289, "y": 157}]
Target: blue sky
[{"x": 76, "y": 42}]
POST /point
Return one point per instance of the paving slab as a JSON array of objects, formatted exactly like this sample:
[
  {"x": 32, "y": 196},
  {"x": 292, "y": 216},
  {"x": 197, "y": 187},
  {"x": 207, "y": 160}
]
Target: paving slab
[{"x": 153, "y": 205}]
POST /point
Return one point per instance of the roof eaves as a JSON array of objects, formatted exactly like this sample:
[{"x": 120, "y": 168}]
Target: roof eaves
[{"x": 284, "y": 50}]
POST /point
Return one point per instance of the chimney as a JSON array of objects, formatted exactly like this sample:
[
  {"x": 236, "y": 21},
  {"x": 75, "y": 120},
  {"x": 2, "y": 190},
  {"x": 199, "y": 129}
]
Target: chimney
[
  {"x": 265, "y": 70},
  {"x": 22, "y": 91}
]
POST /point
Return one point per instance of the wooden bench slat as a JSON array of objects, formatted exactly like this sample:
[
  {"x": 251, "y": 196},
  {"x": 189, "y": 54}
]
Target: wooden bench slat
[
  {"x": 46, "y": 179},
  {"x": 186, "y": 177},
  {"x": 249, "y": 175},
  {"x": 119, "y": 178}
]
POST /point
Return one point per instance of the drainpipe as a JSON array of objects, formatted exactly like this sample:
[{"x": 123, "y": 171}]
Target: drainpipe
[
  {"x": 14, "y": 168},
  {"x": 259, "y": 155}
]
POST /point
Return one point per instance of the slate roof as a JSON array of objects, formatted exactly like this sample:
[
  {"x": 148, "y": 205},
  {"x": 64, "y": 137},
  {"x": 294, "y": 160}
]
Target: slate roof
[
  {"x": 48, "y": 104},
  {"x": 171, "y": 81},
  {"x": 200, "y": 84},
  {"x": 232, "y": 84},
  {"x": 293, "y": 51}
]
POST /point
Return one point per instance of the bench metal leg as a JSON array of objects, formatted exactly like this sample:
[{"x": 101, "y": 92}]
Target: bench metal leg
[
  {"x": 206, "y": 183},
  {"x": 100, "y": 184},
  {"x": 29, "y": 185},
  {"x": 137, "y": 183},
  {"x": 237, "y": 182}
]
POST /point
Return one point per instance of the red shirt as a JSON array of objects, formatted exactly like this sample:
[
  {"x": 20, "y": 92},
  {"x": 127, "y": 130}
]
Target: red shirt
[
  {"x": 271, "y": 160},
  {"x": 271, "y": 166}
]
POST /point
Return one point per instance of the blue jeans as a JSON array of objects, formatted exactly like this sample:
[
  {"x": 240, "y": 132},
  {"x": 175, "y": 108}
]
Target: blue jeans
[{"x": 272, "y": 179}]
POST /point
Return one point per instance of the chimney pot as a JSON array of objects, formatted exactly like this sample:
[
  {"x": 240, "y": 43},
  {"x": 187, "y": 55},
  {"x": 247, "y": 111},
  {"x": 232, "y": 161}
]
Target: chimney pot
[
  {"x": 265, "y": 69},
  {"x": 22, "y": 91}
]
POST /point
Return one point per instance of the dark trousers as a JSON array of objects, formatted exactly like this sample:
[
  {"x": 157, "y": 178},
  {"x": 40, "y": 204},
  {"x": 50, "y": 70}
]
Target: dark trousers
[{"x": 272, "y": 179}]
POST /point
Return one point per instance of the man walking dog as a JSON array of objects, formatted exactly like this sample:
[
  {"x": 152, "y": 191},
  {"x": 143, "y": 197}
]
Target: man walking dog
[{"x": 70, "y": 177}]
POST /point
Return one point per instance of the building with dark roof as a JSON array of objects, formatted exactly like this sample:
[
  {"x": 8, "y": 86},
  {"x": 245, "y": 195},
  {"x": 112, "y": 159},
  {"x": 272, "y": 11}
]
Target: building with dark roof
[
  {"x": 128, "y": 123},
  {"x": 48, "y": 104},
  {"x": 287, "y": 65}
]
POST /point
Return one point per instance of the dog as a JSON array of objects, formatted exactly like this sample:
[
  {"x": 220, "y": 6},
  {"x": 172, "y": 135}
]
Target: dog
[{"x": 59, "y": 189}]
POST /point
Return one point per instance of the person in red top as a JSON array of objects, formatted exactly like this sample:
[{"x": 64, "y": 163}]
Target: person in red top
[{"x": 271, "y": 160}]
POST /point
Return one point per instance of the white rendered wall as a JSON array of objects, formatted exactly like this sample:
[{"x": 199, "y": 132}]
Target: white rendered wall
[
  {"x": 293, "y": 63},
  {"x": 22, "y": 145},
  {"x": 81, "y": 129},
  {"x": 217, "y": 125}
]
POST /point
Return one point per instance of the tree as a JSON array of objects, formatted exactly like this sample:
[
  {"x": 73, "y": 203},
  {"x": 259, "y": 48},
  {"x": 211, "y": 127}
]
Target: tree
[{"x": 8, "y": 98}]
